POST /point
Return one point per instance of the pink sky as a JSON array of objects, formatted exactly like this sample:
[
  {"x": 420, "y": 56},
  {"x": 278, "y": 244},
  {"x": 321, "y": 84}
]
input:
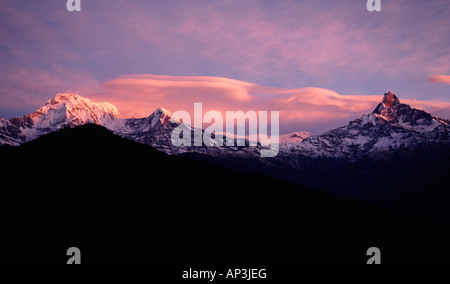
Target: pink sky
[
  {"x": 320, "y": 62},
  {"x": 303, "y": 109}
]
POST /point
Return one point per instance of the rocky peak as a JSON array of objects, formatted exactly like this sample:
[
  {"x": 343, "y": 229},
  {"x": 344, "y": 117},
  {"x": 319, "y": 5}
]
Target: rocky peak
[
  {"x": 388, "y": 107},
  {"x": 163, "y": 118},
  {"x": 390, "y": 100}
]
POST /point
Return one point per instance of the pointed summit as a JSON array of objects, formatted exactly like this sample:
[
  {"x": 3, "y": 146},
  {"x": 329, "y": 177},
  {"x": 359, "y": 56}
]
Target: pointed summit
[
  {"x": 388, "y": 106},
  {"x": 390, "y": 100},
  {"x": 391, "y": 110},
  {"x": 161, "y": 117},
  {"x": 162, "y": 111}
]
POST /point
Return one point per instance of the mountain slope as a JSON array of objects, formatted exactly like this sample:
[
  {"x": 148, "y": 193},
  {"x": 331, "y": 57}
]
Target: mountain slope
[
  {"x": 10, "y": 134},
  {"x": 120, "y": 201}
]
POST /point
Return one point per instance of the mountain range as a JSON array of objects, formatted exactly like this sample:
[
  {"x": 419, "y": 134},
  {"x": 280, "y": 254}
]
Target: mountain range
[
  {"x": 391, "y": 126},
  {"x": 394, "y": 141}
]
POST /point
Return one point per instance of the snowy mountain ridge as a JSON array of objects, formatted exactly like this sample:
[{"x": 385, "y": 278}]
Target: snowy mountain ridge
[{"x": 391, "y": 126}]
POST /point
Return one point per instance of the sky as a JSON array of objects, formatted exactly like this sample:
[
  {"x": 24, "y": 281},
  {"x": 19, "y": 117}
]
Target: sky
[{"x": 320, "y": 63}]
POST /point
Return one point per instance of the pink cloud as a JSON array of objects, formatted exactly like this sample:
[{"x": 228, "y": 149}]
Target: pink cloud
[
  {"x": 137, "y": 95},
  {"x": 311, "y": 109},
  {"x": 440, "y": 79}
]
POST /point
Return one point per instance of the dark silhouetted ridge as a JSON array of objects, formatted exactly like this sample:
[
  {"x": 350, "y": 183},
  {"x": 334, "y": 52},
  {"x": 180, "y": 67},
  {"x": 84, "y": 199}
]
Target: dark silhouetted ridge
[{"x": 120, "y": 201}]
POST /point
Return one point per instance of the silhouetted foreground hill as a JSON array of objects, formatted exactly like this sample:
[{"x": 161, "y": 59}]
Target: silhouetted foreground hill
[
  {"x": 119, "y": 201},
  {"x": 414, "y": 182}
]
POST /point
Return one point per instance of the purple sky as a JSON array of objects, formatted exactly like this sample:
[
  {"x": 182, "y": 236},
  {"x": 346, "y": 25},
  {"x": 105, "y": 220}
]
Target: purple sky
[{"x": 286, "y": 45}]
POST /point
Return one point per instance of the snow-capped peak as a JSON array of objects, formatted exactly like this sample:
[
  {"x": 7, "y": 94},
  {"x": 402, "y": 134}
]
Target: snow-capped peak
[
  {"x": 161, "y": 111},
  {"x": 161, "y": 117},
  {"x": 72, "y": 110},
  {"x": 64, "y": 110}
]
